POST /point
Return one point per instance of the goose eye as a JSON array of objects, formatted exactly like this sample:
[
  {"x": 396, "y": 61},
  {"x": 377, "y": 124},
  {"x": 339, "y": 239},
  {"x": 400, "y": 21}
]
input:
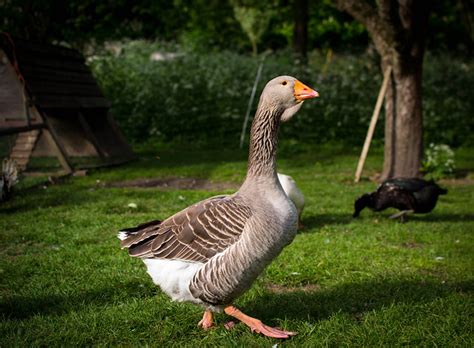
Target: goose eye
[{"x": 284, "y": 83}]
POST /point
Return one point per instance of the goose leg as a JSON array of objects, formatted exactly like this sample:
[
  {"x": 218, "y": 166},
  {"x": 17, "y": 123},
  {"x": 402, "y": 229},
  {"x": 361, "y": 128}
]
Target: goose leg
[
  {"x": 256, "y": 325},
  {"x": 207, "y": 321},
  {"x": 401, "y": 215}
]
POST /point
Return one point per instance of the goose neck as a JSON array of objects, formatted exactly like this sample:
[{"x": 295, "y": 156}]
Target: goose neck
[{"x": 264, "y": 141}]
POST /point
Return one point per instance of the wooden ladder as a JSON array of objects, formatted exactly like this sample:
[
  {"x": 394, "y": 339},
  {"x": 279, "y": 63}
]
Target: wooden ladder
[{"x": 23, "y": 148}]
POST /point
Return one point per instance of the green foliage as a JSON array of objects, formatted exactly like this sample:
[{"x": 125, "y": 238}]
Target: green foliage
[
  {"x": 439, "y": 161},
  {"x": 209, "y": 24},
  {"x": 253, "y": 21},
  {"x": 365, "y": 282},
  {"x": 202, "y": 96},
  {"x": 447, "y": 100}
]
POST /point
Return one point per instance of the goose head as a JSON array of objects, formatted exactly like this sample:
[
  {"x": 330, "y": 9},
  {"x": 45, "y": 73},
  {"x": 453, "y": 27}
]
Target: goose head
[
  {"x": 366, "y": 200},
  {"x": 286, "y": 93}
]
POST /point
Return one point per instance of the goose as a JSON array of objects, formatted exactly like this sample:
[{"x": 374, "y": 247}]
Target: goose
[
  {"x": 211, "y": 252},
  {"x": 409, "y": 195},
  {"x": 8, "y": 179},
  {"x": 294, "y": 194}
]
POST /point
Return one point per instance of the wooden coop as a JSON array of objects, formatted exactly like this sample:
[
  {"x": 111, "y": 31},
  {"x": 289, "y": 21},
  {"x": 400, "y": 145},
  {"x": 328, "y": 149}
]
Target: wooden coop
[{"x": 52, "y": 104}]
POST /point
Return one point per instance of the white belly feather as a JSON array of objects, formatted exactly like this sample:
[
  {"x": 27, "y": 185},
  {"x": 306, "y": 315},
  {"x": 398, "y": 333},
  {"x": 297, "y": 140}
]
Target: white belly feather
[{"x": 173, "y": 277}]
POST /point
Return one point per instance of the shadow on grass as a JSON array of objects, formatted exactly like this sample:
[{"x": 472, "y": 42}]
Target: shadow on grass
[
  {"x": 33, "y": 198},
  {"x": 321, "y": 220},
  {"x": 23, "y": 307},
  {"x": 432, "y": 217},
  {"x": 443, "y": 217},
  {"x": 353, "y": 298}
]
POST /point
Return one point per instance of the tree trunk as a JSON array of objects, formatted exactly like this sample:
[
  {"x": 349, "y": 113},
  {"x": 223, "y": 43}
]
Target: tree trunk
[
  {"x": 398, "y": 30},
  {"x": 403, "y": 120},
  {"x": 300, "y": 32}
]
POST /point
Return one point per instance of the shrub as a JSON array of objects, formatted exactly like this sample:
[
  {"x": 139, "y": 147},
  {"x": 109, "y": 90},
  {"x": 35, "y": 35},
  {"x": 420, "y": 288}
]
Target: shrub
[
  {"x": 439, "y": 161},
  {"x": 202, "y": 97}
]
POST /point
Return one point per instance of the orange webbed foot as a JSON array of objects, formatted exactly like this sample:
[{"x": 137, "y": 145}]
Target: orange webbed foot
[
  {"x": 256, "y": 325},
  {"x": 207, "y": 321}
]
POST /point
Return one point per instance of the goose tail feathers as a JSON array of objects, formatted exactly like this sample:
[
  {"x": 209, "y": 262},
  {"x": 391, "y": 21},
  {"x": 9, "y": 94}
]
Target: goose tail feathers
[{"x": 129, "y": 232}]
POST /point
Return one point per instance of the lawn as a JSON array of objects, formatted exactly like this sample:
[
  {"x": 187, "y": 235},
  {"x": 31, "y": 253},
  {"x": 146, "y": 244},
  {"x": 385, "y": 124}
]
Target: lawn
[{"x": 342, "y": 282}]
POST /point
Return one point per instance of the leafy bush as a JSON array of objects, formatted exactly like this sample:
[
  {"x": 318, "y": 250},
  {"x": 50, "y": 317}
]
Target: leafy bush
[
  {"x": 203, "y": 97},
  {"x": 448, "y": 104},
  {"x": 439, "y": 161}
]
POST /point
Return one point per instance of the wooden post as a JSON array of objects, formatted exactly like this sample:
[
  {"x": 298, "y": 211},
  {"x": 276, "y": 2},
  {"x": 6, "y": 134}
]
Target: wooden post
[
  {"x": 249, "y": 106},
  {"x": 373, "y": 122}
]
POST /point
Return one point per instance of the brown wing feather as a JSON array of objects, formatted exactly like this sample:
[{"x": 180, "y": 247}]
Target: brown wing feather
[{"x": 194, "y": 234}]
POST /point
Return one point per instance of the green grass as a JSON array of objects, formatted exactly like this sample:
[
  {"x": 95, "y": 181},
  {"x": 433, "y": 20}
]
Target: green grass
[{"x": 342, "y": 282}]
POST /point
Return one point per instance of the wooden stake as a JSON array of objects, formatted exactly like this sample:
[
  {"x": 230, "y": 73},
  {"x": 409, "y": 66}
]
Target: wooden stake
[
  {"x": 373, "y": 122},
  {"x": 249, "y": 107}
]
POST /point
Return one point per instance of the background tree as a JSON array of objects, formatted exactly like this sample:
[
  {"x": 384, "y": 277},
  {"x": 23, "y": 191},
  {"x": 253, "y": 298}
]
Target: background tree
[
  {"x": 398, "y": 31},
  {"x": 254, "y": 21},
  {"x": 300, "y": 31}
]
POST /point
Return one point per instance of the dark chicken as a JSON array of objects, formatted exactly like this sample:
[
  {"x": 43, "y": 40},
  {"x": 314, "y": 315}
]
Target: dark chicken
[{"x": 409, "y": 195}]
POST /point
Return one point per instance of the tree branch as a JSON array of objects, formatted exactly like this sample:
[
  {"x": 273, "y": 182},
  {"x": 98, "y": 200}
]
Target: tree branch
[{"x": 379, "y": 27}]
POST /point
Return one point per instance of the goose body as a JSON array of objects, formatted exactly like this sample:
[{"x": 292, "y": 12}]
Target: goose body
[
  {"x": 293, "y": 192},
  {"x": 405, "y": 194},
  {"x": 211, "y": 252}
]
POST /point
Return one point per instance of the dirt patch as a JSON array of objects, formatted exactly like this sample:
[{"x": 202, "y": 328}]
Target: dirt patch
[
  {"x": 280, "y": 289},
  {"x": 457, "y": 181},
  {"x": 176, "y": 183}
]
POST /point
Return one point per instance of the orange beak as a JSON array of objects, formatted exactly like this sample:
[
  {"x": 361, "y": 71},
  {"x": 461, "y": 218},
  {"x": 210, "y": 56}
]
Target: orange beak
[{"x": 303, "y": 92}]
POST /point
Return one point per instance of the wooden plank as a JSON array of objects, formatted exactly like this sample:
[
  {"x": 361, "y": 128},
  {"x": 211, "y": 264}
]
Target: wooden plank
[
  {"x": 42, "y": 49},
  {"x": 38, "y": 87},
  {"x": 52, "y": 101},
  {"x": 26, "y": 138},
  {"x": 373, "y": 122},
  {"x": 16, "y": 123},
  {"x": 20, "y": 154},
  {"x": 24, "y": 46},
  {"x": 50, "y": 74},
  {"x": 23, "y": 146},
  {"x": 14, "y": 130},
  {"x": 21, "y": 161},
  {"x": 52, "y": 63},
  {"x": 12, "y": 103}
]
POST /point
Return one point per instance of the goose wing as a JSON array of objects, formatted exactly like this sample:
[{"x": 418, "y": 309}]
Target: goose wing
[
  {"x": 408, "y": 184},
  {"x": 194, "y": 234}
]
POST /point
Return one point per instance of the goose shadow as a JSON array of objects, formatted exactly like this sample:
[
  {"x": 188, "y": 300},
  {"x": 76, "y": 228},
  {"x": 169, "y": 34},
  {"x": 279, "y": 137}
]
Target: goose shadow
[{"x": 354, "y": 299}]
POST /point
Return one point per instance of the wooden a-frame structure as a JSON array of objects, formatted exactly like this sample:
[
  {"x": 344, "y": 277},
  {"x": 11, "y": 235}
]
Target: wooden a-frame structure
[{"x": 49, "y": 98}]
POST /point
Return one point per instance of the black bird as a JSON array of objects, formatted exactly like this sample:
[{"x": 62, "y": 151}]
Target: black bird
[
  {"x": 409, "y": 195},
  {"x": 8, "y": 178}
]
